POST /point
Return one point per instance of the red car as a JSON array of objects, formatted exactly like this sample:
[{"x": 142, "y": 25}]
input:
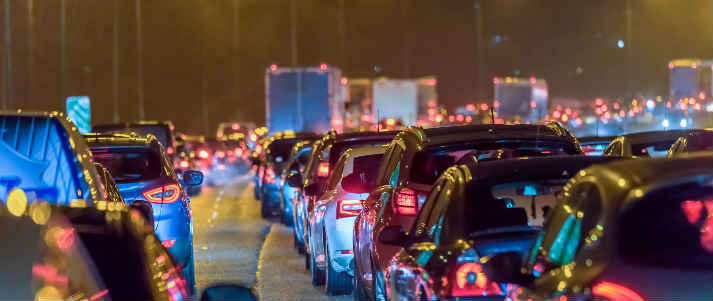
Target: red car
[{"x": 413, "y": 162}]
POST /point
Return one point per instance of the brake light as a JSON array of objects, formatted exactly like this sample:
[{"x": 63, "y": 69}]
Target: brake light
[
  {"x": 471, "y": 281},
  {"x": 348, "y": 208},
  {"x": 203, "y": 154},
  {"x": 613, "y": 291},
  {"x": 164, "y": 194},
  {"x": 168, "y": 243},
  {"x": 405, "y": 202},
  {"x": 184, "y": 164},
  {"x": 221, "y": 167},
  {"x": 323, "y": 169},
  {"x": 220, "y": 154},
  {"x": 270, "y": 176},
  {"x": 169, "y": 150}
]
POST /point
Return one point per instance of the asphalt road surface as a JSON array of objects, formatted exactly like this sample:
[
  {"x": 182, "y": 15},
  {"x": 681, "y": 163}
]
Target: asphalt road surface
[{"x": 233, "y": 244}]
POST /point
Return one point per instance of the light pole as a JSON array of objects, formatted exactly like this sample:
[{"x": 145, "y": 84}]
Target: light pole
[
  {"x": 405, "y": 50},
  {"x": 30, "y": 47},
  {"x": 63, "y": 49},
  {"x": 204, "y": 80},
  {"x": 479, "y": 62},
  {"x": 115, "y": 64},
  {"x": 7, "y": 100},
  {"x": 236, "y": 48},
  {"x": 140, "y": 60},
  {"x": 293, "y": 31},
  {"x": 341, "y": 25},
  {"x": 628, "y": 48}
]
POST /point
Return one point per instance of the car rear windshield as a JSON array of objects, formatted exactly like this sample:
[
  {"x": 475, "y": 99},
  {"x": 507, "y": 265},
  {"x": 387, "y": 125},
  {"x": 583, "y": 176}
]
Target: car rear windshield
[
  {"x": 129, "y": 164},
  {"x": 161, "y": 131},
  {"x": 367, "y": 167},
  {"x": 671, "y": 228},
  {"x": 700, "y": 142},
  {"x": 429, "y": 164},
  {"x": 653, "y": 150},
  {"x": 280, "y": 152},
  {"x": 339, "y": 148}
]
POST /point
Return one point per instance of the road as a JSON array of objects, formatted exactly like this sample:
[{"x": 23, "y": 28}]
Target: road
[{"x": 233, "y": 244}]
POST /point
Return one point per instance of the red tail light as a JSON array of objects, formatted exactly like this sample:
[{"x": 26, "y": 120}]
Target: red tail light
[
  {"x": 405, "y": 202},
  {"x": 164, "y": 194},
  {"x": 270, "y": 176},
  {"x": 348, "y": 208},
  {"x": 615, "y": 292},
  {"x": 220, "y": 154},
  {"x": 169, "y": 150},
  {"x": 168, "y": 243},
  {"x": 203, "y": 154},
  {"x": 323, "y": 169},
  {"x": 471, "y": 281}
]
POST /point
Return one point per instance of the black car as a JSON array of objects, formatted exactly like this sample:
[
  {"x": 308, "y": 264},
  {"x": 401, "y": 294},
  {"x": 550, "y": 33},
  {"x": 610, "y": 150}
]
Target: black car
[
  {"x": 411, "y": 165},
  {"x": 645, "y": 144},
  {"x": 627, "y": 230},
  {"x": 474, "y": 210},
  {"x": 295, "y": 165},
  {"x": 698, "y": 141},
  {"x": 162, "y": 130},
  {"x": 277, "y": 152},
  {"x": 60, "y": 253}
]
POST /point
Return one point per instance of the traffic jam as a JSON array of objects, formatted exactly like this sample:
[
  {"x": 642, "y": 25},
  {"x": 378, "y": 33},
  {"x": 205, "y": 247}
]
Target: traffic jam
[{"x": 197, "y": 161}]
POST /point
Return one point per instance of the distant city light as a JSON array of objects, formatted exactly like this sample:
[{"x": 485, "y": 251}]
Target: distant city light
[
  {"x": 683, "y": 123},
  {"x": 709, "y": 107},
  {"x": 620, "y": 44},
  {"x": 650, "y": 104},
  {"x": 665, "y": 123}
]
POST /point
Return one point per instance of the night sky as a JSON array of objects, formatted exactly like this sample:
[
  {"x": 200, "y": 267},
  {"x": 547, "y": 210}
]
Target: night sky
[{"x": 398, "y": 38}]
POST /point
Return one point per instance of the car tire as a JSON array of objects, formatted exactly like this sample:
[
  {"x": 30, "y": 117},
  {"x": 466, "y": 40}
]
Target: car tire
[
  {"x": 317, "y": 274},
  {"x": 287, "y": 219},
  {"x": 300, "y": 247},
  {"x": 358, "y": 292},
  {"x": 307, "y": 261},
  {"x": 336, "y": 283}
]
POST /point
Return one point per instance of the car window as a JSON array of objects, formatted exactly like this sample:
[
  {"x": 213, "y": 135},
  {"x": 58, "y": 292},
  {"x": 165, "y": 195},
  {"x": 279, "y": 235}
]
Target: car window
[
  {"x": 366, "y": 168},
  {"x": 653, "y": 150},
  {"x": 536, "y": 199},
  {"x": 337, "y": 173},
  {"x": 670, "y": 228},
  {"x": 129, "y": 165},
  {"x": 419, "y": 227},
  {"x": 614, "y": 149}
]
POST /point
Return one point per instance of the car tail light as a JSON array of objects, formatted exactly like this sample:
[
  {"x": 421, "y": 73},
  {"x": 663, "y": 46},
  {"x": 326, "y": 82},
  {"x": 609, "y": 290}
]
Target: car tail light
[
  {"x": 168, "y": 243},
  {"x": 348, "y": 208},
  {"x": 164, "y": 194},
  {"x": 270, "y": 176},
  {"x": 222, "y": 167},
  {"x": 615, "y": 292},
  {"x": 405, "y": 202},
  {"x": 220, "y": 154},
  {"x": 203, "y": 154},
  {"x": 471, "y": 281},
  {"x": 169, "y": 150},
  {"x": 323, "y": 169},
  {"x": 184, "y": 164}
]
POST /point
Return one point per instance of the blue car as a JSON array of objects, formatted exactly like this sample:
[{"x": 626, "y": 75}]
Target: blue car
[{"x": 143, "y": 172}]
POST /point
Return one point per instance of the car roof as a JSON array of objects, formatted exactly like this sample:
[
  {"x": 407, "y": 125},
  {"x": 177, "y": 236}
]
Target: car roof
[
  {"x": 365, "y": 135},
  {"x": 443, "y": 135},
  {"x": 655, "y": 136},
  {"x": 108, "y": 140},
  {"x": 595, "y": 139},
  {"x": 366, "y": 150},
  {"x": 531, "y": 169}
]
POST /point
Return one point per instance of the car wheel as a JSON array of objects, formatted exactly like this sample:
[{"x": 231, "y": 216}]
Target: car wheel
[
  {"x": 337, "y": 283},
  {"x": 298, "y": 245},
  {"x": 317, "y": 274},
  {"x": 358, "y": 292},
  {"x": 377, "y": 282},
  {"x": 287, "y": 219}
]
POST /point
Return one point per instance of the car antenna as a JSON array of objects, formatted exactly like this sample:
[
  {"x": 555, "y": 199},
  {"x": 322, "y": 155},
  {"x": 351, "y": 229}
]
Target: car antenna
[
  {"x": 378, "y": 121},
  {"x": 492, "y": 112}
]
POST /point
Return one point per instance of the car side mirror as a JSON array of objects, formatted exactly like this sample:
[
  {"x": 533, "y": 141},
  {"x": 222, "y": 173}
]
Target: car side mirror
[
  {"x": 505, "y": 267},
  {"x": 222, "y": 292},
  {"x": 192, "y": 177},
  {"x": 313, "y": 189},
  {"x": 393, "y": 235},
  {"x": 353, "y": 183},
  {"x": 145, "y": 209},
  {"x": 294, "y": 178}
]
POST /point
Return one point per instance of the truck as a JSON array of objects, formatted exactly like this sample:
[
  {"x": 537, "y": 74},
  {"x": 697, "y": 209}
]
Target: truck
[
  {"x": 690, "y": 78},
  {"x": 405, "y": 100},
  {"x": 520, "y": 99},
  {"x": 359, "y": 103},
  {"x": 303, "y": 99}
]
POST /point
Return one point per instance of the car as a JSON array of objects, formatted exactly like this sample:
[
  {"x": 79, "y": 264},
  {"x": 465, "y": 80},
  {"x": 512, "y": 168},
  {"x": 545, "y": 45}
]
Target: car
[
  {"x": 475, "y": 209},
  {"x": 698, "y": 141},
  {"x": 325, "y": 152},
  {"x": 162, "y": 130},
  {"x": 44, "y": 154},
  {"x": 257, "y": 157},
  {"x": 414, "y": 160},
  {"x": 89, "y": 253},
  {"x": 143, "y": 172},
  {"x": 332, "y": 221},
  {"x": 595, "y": 145},
  {"x": 277, "y": 152},
  {"x": 295, "y": 165},
  {"x": 652, "y": 144},
  {"x": 627, "y": 230}
]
